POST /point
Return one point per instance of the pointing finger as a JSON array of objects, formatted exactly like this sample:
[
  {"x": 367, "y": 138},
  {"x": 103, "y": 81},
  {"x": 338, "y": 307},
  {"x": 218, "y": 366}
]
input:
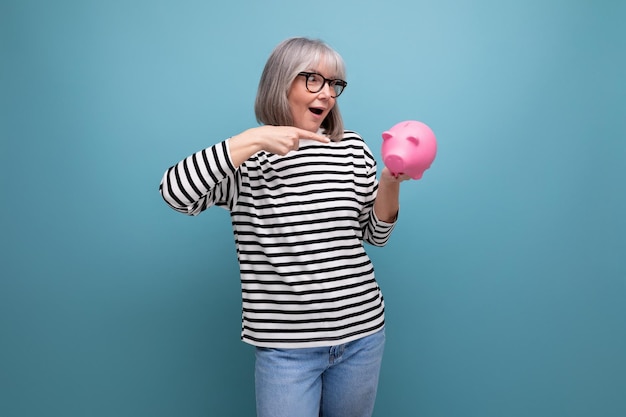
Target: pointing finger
[{"x": 305, "y": 134}]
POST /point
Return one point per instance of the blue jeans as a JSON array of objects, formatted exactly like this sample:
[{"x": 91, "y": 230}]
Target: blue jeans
[{"x": 335, "y": 381}]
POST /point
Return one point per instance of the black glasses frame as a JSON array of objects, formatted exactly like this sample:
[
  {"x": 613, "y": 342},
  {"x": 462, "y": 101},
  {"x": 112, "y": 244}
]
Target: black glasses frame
[{"x": 332, "y": 83}]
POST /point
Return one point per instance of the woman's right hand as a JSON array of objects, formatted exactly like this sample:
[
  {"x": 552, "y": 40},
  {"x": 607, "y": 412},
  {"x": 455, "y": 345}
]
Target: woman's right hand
[{"x": 279, "y": 140}]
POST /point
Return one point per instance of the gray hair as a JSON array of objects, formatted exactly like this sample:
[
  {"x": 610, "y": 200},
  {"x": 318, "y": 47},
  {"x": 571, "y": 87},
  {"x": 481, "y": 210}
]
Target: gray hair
[{"x": 290, "y": 57}]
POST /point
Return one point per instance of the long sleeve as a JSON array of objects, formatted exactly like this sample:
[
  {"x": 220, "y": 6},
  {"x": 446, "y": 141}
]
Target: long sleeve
[
  {"x": 375, "y": 231},
  {"x": 201, "y": 180}
]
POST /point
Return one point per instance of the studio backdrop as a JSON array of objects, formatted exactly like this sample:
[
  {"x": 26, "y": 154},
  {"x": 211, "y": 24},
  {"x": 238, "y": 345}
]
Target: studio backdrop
[{"x": 504, "y": 281}]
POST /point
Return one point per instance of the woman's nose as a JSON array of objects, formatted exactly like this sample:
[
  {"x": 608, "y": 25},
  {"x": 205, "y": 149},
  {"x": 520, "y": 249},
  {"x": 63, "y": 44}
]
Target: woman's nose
[{"x": 327, "y": 90}]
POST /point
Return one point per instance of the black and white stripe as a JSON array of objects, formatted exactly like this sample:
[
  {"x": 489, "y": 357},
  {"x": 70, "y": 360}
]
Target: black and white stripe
[{"x": 299, "y": 222}]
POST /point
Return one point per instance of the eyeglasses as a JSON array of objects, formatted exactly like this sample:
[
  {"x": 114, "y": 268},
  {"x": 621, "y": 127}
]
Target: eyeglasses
[{"x": 315, "y": 82}]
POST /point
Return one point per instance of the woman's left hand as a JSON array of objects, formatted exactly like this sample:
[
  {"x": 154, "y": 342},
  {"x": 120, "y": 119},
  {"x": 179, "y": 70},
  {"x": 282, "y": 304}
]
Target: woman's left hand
[{"x": 387, "y": 176}]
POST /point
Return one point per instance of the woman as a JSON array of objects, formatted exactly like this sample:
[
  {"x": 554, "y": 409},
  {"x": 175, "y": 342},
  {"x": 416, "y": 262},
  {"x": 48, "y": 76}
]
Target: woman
[{"x": 303, "y": 196}]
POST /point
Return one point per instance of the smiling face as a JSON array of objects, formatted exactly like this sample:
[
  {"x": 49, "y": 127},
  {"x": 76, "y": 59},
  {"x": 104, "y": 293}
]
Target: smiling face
[{"x": 309, "y": 110}]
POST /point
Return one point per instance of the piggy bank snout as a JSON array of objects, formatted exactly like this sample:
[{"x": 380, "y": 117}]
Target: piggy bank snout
[
  {"x": 394, "y": 162},
  {"x": 405, "y": 159}
]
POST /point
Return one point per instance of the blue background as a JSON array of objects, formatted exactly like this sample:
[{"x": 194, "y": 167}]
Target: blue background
[{"x": 505, "y": 280}]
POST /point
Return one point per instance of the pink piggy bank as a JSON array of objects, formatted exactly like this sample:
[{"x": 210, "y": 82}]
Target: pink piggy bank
[{"x": 409, "y": 148}]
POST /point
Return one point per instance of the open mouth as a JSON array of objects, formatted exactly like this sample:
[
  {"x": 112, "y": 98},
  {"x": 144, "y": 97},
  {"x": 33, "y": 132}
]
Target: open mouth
[{"x": 316, "y": 111}]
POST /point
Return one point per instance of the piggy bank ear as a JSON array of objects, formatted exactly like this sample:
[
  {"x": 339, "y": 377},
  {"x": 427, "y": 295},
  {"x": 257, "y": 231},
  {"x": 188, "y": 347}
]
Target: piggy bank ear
[
  {"x": 387, "y": 135},
  {"x": 413, "y": 139}
]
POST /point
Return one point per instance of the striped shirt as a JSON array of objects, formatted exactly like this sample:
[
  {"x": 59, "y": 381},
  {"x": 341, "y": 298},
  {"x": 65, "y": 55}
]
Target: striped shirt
[{"x": 299, "y": 223}]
